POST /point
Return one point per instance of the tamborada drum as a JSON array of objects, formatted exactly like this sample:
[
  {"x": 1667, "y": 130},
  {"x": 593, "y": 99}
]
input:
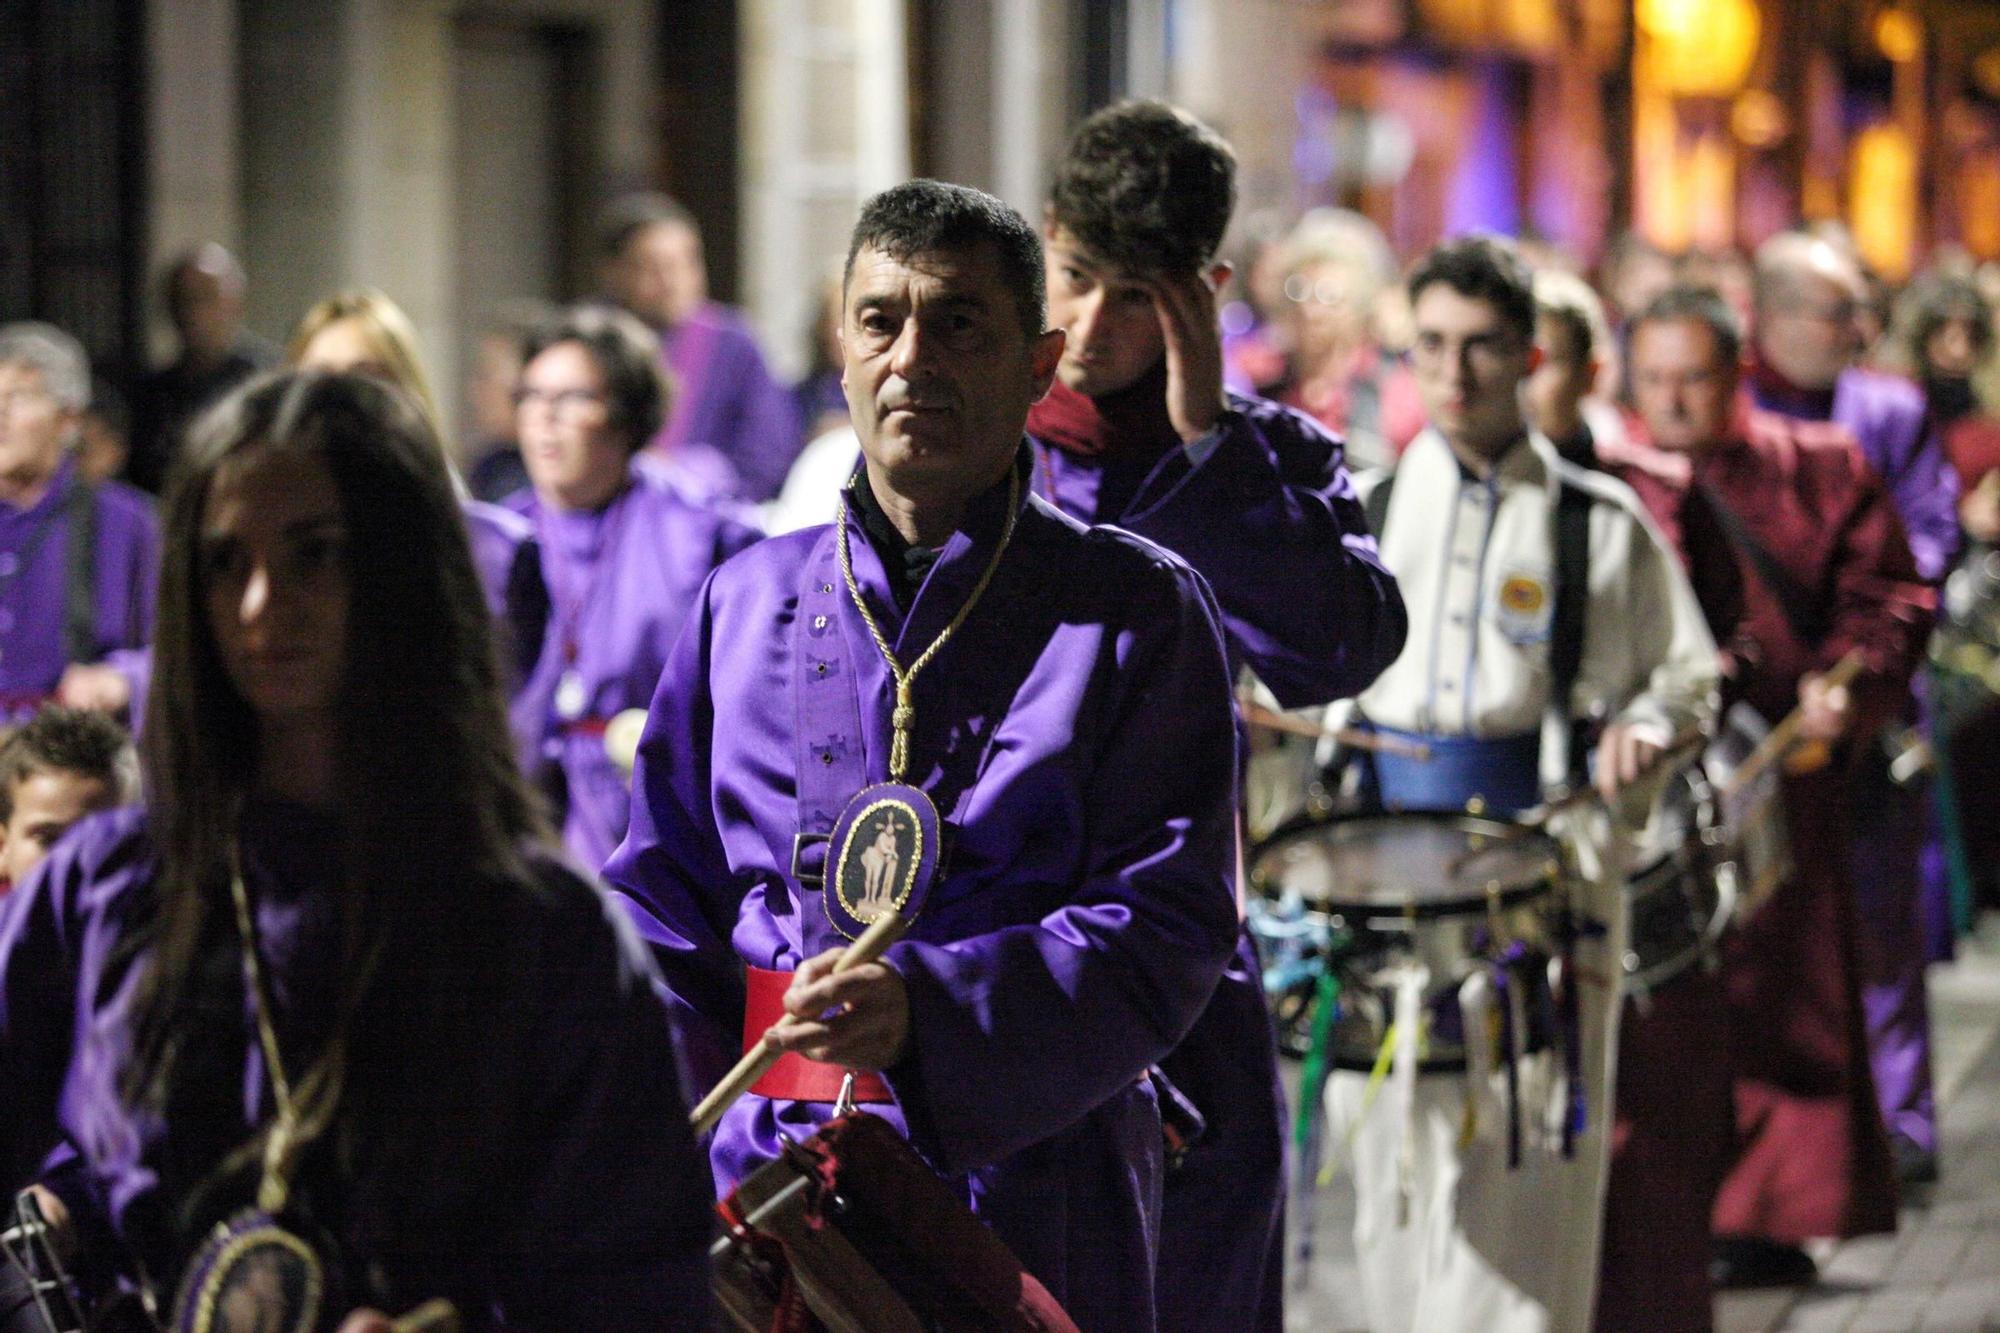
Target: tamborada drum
[
  {"x": 1456, "y": 894},
  {"x": 1678, "y": 905}
]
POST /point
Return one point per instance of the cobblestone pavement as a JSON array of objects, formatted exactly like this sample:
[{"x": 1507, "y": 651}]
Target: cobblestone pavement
[{"x": 1939, "y": 1272}]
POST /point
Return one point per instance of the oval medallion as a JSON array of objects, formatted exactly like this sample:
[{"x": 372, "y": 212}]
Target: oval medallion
[{"x": 882, "y": 856}]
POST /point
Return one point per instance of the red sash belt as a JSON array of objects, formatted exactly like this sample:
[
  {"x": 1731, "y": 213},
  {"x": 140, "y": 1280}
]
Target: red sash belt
[
  {"x": 587, "y": 726},
  {"x": 794, "y": 1078}
]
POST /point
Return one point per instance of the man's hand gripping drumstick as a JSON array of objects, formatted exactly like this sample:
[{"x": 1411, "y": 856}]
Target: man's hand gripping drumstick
[{"x": 843, "y": 1008}]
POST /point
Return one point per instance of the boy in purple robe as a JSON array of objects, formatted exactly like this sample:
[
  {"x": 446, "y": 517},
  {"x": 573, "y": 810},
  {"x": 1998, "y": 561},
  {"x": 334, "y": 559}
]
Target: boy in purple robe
[
  {"x": 1807, "y": 292},
  {"x": 624, "y": 553},
  {"x": 77, "y": 558},
  {"x": 1065, "y": 706},
  {"x": 728, "y": 409},
  {"x": 335, "y": 979},
  {"x": 55, "y": 768},
  {"x": 1138, "y": 431}
]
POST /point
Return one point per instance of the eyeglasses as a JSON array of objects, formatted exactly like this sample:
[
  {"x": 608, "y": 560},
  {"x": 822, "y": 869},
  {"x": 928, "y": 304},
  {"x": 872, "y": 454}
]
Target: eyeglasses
[
  {"x": 1481, "y": 353},
  {"x": 561, "y": 402}
]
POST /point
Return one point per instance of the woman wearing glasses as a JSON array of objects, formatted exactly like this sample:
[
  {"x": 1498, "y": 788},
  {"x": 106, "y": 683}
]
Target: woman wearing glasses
[
  {"x": 328, "y": 1027},
  {"x": 624, "y": 552}
]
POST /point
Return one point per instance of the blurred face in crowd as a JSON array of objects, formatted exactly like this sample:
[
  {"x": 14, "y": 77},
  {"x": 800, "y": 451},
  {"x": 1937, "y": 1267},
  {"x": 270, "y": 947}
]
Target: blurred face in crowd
[
  {"x": 344, "y": 347},
  {"x": 659, "y": 275},
  {"x": 1809, "y": 335},
  {"x": 938, "y": 370},
  {"x": 496, "y": 374},
  {"x": 1112, "y": 326},
  {"x": 575, "y": 452},
  {"x": 1557, "y": 387},
  {"x": 1328, "y": 302},
  {"x": 207, "y": 310},
  {"x": 46, "y": 803},
  {"x": 34, "y": 428},
  {"x": 1469, "y": 364},
  {"x": 1684, "y": 390},
  {"x": 274, "y": 571},
  {"x": 1952, "y": 350}
]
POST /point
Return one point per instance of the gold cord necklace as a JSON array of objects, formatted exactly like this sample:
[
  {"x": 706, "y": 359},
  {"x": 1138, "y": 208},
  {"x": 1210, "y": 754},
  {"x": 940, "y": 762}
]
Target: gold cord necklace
[{"x": 903, "y": 720}]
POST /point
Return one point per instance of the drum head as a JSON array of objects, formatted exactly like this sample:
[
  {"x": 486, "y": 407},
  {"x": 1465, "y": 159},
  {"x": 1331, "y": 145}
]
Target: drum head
[{"x": 1387, "y": 868}]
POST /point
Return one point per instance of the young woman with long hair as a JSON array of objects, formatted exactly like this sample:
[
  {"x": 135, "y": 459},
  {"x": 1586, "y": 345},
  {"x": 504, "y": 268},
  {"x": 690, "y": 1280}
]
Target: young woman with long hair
[{"x": 332, "y": 983}]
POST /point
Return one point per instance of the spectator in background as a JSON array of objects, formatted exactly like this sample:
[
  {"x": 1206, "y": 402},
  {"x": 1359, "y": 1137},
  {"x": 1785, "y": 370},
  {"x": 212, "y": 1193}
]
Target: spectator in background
[
  {"x": 624, "y": 551},
  {"x": 502, "y": 349},
  {"x": 204, "y": 293},
  {"x": 726, "y": 403},
  {"x": 104, "y": 434},
  {"x": 60, "y": 765},
  {"x": 366, "y": 332},
  {"x": 77, "y": 559},
  {"x": 1337, "y": 268},
  {"x": 1571, "y": 331}
]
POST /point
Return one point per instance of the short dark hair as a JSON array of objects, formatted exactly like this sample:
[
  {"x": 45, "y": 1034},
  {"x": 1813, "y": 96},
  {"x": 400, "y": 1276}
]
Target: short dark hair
[
  {"x": 1147, "y": 187},
  {"x": 1485, "y": 268},
  {"x": 629, "y": 214},
  {"x": 1700, "y": 305},
  {"x": 923, "y": 217},
  {"x": 628, "y": 356},
  {"x": 67, "y": 740}
]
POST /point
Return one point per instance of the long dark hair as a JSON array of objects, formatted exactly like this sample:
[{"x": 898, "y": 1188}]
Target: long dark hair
[{"x": 433, "y": 819}]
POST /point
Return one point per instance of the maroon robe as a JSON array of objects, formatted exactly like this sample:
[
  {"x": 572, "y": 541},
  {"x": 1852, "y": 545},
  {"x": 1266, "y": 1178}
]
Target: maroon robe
[
  {"x": 1813, "y": 1156},
  {"x": 1671, "y": 1135}
]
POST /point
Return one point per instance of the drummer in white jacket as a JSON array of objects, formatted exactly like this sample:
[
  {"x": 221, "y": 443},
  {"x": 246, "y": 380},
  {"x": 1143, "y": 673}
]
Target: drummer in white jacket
[{"x": 1475, "y": 526}]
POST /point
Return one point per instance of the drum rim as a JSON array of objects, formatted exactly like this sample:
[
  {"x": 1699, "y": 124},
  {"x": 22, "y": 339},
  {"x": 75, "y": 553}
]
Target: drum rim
[{"x": 1511, "y": 895}]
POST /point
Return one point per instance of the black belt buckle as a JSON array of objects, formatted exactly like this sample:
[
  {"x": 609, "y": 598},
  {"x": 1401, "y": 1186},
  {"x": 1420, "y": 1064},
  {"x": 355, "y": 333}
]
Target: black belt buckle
[{"x": 800, "y": 842}]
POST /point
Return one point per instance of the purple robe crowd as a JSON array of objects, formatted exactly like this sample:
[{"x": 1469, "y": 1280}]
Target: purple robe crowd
[{"x": 727, "y": 405}]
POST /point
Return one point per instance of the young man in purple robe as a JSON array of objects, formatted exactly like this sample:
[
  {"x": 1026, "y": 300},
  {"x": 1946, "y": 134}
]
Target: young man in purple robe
[
  {"x": 733, "y": 427},
  {"x": 1058, "y": 696},
  {"x": 624, "y": 553},
  {"x": 1806, "y": 344},
  {"x": 1138, "y": 431},
  {"x": 55, "y": 768},
  {"x": 333, "y": 1000},
  {"x": 76, "y": 558}
]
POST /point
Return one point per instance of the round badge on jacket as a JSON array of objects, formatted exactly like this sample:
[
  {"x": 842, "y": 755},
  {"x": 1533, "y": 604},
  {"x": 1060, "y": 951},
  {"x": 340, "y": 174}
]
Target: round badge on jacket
[{"x": 884, "y": 853}]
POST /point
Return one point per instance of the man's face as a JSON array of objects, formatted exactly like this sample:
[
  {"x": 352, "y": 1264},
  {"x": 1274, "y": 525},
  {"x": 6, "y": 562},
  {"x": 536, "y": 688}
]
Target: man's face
[
  {"x": 1812, "y": 337},
  {"x": 938, "y": 371},
  {"x": 1681, "y": 386},
  {"x": 1108, "y": 316},
  {"x": 659, "y": 275},
  {"x": 1558, "y": 386},
  {"x": 207, "y": 311},
  {"x": 46, "y": 804},
  {"x": 1469, "y": 366},
  {"x": 1328, "y": 303},
  {"x": 33, "y": 427}
]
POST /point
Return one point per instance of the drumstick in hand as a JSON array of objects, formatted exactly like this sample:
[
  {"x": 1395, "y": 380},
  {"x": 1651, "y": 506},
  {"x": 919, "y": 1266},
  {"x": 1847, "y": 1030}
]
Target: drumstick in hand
[
  {"x": 1352, "y": 737},
  {"x": 1780, "y": 739},
  {"x": 884, "y": 931}
]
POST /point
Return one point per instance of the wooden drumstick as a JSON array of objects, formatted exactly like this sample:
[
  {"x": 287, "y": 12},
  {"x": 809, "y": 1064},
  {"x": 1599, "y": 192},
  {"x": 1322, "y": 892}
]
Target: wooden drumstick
[
  {"x": 1353, "y": 737},
  {"x": 884, "y": 931},
  {"x": 439, "y": 1316},
  {"x": 1779, "y": 741}
]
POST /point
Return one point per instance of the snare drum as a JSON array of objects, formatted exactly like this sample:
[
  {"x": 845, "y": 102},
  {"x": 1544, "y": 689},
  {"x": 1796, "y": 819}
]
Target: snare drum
[
  {"x": 1451, "y": 894},
  {"x": 35, "y": 1293},
  {"x": 1754, "y": 851},
  {"x": 1676, "y": 904}
]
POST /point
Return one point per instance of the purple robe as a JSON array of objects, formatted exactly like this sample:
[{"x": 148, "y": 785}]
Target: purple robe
[
  {"x": 620, "y": 580},
  {"x": 1888, "y": 416},
  {"x": 1077, "y": 734},
  {"x": 1269, "y": 518},
  {"x": 590, "y": 1197},
  {"x": 726, "y": 399},
  {"x": 34, "y": 568}
]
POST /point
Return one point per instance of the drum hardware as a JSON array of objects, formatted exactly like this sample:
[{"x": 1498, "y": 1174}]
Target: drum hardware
[{"x": 36, "y": 1294}]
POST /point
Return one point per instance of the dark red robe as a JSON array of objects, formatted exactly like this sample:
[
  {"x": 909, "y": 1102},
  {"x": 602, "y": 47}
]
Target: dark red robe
[{"x": 1813, "y": 1157}]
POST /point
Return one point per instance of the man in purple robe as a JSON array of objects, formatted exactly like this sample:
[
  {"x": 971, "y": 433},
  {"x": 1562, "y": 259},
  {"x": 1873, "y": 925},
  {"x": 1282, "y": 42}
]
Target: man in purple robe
[
  {"x": 77, "y": 559},
  {"x": 733, "y": 426},
  {"x": 1138, "y": 431},
  {"x": 623, "y": 553},
  {"x": 1807, "y": 292},
  {"x": 1059, "y": 694}
]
